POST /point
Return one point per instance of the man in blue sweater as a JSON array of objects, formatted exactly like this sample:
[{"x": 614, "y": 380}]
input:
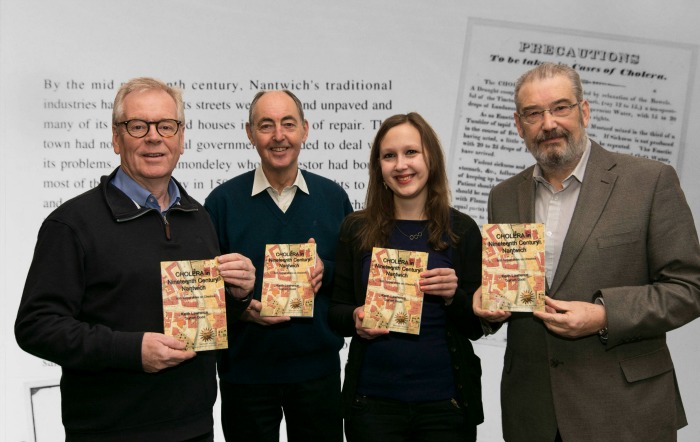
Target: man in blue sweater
[{"x": 277, "y": 365}]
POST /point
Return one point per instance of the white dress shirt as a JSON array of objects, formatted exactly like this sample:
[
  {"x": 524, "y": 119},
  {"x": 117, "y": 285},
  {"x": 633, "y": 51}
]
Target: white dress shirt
[{"x": 282, "y": 199}]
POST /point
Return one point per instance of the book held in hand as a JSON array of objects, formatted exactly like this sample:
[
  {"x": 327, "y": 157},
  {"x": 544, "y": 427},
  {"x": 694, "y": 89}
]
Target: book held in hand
[
  {"x": 513, "y": 272},
  {"x": 394, "y": 299},
  {"x": 194, "y": 303},
  {"x": 286, "y": 286}
]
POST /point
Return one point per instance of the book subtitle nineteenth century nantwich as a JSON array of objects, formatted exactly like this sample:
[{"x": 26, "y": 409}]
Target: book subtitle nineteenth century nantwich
[
  {"x": 394, "y": 299},
  {"x": 286, "y": 287},
  {"x": 513, "y": 274},
  {"x": 194, "y": 303}
]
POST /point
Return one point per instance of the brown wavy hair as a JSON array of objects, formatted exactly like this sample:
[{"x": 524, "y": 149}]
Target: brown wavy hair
[{"x": 377, "y": 219}]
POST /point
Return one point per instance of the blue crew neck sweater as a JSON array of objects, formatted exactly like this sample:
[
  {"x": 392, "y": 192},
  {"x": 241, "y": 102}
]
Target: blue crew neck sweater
[{"x": 302, "y": 348}]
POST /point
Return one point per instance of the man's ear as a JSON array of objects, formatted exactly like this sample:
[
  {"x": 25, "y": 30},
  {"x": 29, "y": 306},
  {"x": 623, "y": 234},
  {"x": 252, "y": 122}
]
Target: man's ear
[{"x": 115, "y": 140}]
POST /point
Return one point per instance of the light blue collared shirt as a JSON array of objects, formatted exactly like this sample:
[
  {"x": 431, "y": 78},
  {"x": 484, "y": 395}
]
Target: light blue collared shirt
[
  {"x": 555, "y": 208},
  {"x": 140, "y": 196}
]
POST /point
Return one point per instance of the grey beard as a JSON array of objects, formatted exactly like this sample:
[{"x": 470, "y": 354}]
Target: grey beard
[{"x": 551, "y": 160}]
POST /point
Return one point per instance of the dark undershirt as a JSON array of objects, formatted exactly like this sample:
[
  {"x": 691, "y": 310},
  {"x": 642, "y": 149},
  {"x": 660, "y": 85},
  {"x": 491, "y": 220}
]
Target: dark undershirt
[{"x": 405, "y": 367}]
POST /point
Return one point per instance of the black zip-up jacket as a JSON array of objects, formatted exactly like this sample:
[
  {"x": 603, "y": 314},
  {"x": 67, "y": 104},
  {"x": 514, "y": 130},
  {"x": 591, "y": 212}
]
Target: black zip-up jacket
[
  {"x": 93, "y": 290},
  {"x": 462, "y": 324}
]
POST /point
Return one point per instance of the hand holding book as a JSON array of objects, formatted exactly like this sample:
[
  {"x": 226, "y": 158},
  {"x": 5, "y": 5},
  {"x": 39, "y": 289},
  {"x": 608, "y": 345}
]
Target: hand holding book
[
  {"x": 365, "y": 332},
  {"x": 238, "y": 273},
  {"x": 252, "y": 314},
  {"x": 316, "y": 272},
  {"x": 439, "y": 282}
]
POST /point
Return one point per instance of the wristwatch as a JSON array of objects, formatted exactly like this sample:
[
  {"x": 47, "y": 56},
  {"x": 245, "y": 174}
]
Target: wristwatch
[{"x": 603, "y": 332}]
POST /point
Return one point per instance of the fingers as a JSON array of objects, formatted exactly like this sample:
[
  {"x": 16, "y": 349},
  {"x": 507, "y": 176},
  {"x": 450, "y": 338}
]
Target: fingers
[
  {"x": 493, "y": 316},
  {"x": 439, "y": 281},
  {"x": 316, "y": 284},
  {"x": 367, "y": 333},
  {"x": 477, "y": 305},
  {"x": 159, "y": 352},
  {"x": 372, "y": 333},
  {"x": 233, "y": 262},
  {"x": 555, "y": 306},
  {"x": 272, "y": 320},
  {"x": 317, "y": 270},
  {"x": 489, "y": 315},
  {"x": 252, "y": 314},
  {"x": 228, "y": 257},
  {"x": 359, "y": 314},
  {"x": 255, "y": 306},
  {"x": 572, "y": 319},
  {"x": 267, "y": 320},
  {"x": 556, "y": 325},
  {"x": 316, "y": 275},
  {"x": 238, "y": 272},
  {"x": 553, "y": 309}
]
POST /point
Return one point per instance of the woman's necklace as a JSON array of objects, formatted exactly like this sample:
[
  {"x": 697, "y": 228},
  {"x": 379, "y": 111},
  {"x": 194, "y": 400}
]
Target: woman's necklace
[{"x": 415, "y": 236}]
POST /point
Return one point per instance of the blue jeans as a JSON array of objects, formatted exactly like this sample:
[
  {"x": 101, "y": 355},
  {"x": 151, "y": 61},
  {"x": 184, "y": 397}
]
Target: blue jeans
[
  {"x": 252, "y": 413},
  {"x": 385, "y": 420}
]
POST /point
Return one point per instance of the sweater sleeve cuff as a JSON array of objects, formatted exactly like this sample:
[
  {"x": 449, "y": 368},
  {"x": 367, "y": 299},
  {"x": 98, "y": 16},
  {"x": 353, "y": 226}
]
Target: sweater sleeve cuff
[{"x": 126, "y": 350}]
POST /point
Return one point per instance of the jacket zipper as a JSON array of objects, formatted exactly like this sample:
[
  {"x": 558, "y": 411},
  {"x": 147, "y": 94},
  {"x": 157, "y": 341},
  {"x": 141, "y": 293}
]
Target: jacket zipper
[
  {"x": 167, "y": 227},
  {"x": 164, "y": 218}
]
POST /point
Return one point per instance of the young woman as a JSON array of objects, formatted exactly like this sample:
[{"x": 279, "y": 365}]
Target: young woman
[{"x": 403, "y": 387}]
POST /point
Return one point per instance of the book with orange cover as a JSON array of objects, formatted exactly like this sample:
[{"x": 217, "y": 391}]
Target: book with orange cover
[
  {"x": 513, "y": 267},
  {"x": 194, "y": 303},
  {"x": 286, "y": 287},
  {"x": 394, "y": 299}
]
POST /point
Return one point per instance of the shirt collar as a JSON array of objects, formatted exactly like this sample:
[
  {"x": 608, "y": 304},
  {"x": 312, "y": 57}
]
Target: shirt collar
[
  {"x": 578, "y": 172},
  {"x": 139, "y": 195},
  {"x": 261, "y": 183}
]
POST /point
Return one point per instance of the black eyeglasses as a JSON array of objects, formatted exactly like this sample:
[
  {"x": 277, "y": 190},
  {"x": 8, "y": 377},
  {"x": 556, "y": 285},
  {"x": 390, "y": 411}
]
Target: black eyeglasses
[
  {"x": 537, "y": 116},
  {"x": 139, "y": 128}
]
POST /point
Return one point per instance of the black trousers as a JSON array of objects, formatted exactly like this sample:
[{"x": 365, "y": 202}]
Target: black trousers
[
  {"x": 252, "y": 413},
  {"x": 384, "y": 420},
  {"x": 209, "y": 437}
]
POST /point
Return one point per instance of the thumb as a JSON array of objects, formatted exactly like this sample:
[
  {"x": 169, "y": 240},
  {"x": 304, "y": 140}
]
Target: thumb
[
  {"x": 554, "y": 306},
  {"x": 174, "y": 343}
]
